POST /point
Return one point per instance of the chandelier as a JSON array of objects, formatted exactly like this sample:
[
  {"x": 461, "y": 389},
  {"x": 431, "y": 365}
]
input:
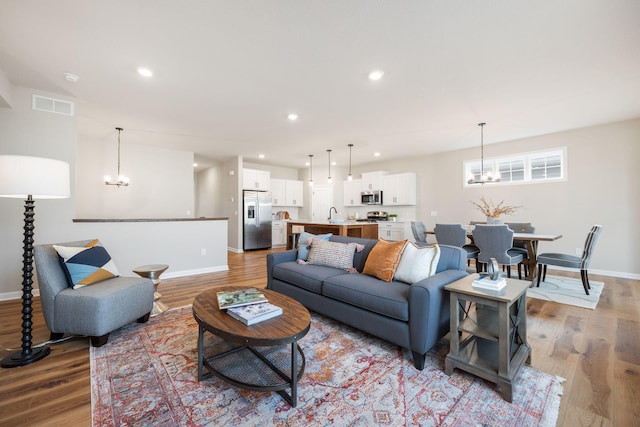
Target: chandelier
[
  {"x": 122, "y": 181},
  {"x": 485, "y": 178}
]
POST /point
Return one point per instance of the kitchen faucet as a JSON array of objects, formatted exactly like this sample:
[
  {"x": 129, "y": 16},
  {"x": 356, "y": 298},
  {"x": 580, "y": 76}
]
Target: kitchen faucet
[{"x": 330, "y": 209}]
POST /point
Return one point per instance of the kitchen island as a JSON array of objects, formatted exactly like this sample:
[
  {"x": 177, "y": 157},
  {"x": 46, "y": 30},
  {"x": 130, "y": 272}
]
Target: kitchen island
[{"x": 367, "y": 230}]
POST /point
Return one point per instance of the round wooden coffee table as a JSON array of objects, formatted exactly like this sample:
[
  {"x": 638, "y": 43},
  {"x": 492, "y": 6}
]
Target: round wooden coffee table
[{"x": 264, "y": 356}]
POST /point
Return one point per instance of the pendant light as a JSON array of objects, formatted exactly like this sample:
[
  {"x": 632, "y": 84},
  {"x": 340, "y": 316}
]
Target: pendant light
[
  {"x": 485, "y": 178},
  {"x": 350, "y": 177},
  {"x": 329, "y": 179},
  {"x": 122, "y": 181},
  {"x": 310, "y": 169}
]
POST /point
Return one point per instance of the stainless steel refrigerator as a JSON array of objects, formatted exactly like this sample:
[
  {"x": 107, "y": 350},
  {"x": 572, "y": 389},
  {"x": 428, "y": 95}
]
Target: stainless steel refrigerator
[{"x": 257, "y": 220}]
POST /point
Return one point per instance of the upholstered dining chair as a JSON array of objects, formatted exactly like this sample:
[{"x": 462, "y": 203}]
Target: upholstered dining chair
[
  {"x": 456, "y": 235},
  {"x": 571, "y": 261},
  {"x": 496, "y": 241},
  {"x": 93, "y": 311},
  {"x": 521, "y": 227},
  {"x": 419, "y": 230}
]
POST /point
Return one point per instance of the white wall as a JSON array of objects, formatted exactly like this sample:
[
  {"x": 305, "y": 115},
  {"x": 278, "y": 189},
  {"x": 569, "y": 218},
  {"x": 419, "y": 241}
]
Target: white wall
[{"x": 162, "y": 180}]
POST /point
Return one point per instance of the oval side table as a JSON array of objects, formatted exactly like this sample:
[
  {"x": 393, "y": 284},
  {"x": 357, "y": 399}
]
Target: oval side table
[{"x": 153, "y": 272}]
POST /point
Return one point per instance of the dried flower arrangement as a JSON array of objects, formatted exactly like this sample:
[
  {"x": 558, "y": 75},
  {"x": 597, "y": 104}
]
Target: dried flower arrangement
[{"x": 492, "y": 210}]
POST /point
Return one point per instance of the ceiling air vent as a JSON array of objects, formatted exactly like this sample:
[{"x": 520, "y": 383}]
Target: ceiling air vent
[{"x": 51, "y": 105}]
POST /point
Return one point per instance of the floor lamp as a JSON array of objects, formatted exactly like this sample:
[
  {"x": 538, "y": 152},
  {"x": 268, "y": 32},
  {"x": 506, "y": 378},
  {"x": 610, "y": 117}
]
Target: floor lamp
[{"x": 30, "y": 178}]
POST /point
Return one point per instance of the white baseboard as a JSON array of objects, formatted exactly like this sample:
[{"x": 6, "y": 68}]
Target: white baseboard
[
  {"x": 183, "y": 273},
  {"x": 7, "y": 296}
]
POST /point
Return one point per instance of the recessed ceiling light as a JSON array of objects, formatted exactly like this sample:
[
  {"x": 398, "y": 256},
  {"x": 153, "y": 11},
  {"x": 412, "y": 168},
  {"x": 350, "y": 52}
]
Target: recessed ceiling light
[
  {"x": 293, "y": 117},
  {"x": 333, "y": 163},
  {"x": 376, "y": 154},
  {"x": 261, "y": 156},
  {"x": 71, "y": 77},
  {"x": 376, "y": 75},
  {"x": 145, "y": 72},
  {"x": 195, "y": 165}
]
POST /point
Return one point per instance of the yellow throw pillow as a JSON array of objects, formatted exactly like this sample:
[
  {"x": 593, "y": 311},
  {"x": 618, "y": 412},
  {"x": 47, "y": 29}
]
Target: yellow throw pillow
[{"x": 383, "y": 259}]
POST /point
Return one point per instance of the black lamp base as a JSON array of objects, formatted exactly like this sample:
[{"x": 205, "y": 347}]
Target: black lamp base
[{"x": 19, "y": 359}]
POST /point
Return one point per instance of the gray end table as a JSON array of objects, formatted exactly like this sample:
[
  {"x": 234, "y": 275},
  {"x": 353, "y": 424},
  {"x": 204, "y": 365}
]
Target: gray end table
[{"x": 488, "y": 335}]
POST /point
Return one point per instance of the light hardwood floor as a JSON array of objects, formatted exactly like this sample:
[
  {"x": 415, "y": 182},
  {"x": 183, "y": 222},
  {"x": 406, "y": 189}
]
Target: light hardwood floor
[{"x": 596, "y": 351}]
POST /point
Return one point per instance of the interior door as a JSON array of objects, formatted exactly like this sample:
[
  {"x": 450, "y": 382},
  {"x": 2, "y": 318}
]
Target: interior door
[{"x": 321, "y": 202}]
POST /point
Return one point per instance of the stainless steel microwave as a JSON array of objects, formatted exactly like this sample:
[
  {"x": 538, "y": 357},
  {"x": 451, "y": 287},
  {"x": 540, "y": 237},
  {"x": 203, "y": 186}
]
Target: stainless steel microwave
[{"x": 371, "y": 197}]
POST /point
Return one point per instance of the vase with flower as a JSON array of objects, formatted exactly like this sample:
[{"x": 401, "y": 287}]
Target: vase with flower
[{"x": 494, "y": 211}]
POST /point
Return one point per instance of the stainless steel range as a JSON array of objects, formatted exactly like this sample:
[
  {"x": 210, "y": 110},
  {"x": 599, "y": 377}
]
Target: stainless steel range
[{"x": 375, "y": 216}]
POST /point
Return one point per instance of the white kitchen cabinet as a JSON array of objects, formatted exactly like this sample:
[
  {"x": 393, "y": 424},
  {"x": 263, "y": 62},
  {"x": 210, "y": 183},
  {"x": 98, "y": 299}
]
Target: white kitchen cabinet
[
  {"x": 278, "y": 233},
  {"x": 293, "y": 193},
  {"x": 399, "y": 189},
  {"x": 351, "y": 192},
  {"x": 286, "y": 192},
  {"x": 278, "y": 192},
  {"x": 253, "y": 179},
  {"x": 372, "y": 181},
  {"x": 391, "y": 230}
]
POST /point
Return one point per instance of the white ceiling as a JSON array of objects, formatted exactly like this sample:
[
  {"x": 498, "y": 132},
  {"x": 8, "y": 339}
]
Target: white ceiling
[{"x": 227, "y": 73}]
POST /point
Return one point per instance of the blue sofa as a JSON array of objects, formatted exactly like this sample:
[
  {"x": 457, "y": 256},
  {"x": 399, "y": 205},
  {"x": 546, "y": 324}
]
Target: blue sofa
[{"x": 414, "y": 316}]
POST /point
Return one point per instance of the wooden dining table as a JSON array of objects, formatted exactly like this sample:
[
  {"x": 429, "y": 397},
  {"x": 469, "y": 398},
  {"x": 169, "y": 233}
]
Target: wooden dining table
[{"x": 531, "y": 240}]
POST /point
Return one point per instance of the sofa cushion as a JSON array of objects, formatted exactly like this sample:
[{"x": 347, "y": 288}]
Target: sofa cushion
[
  {"x": 305, "y": 243},
  {"x": 87, "y": 265},
  {"x": 360, "y": 257},
  {"x": 331, "y": 254},
  {"x": 383, "y": 259},
  {"x": 367, "y": 292},
  {"x": 417, "y": 263},
  {"x": 306, "y": 276}
]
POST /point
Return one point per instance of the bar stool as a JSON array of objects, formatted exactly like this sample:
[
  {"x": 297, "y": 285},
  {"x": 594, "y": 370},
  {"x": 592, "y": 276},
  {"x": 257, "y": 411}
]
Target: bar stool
[{"x": 153, "y": 272}]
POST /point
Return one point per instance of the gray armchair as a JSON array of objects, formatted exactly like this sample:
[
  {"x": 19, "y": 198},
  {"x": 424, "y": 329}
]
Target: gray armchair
[
  {"x": 572, "y": 261},
  {"x": 94, "y": 310},
  {"x": 496, "y": 241}
]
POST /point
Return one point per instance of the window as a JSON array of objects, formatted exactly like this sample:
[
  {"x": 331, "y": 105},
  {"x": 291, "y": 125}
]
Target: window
[{"x": 519, "y": 169}]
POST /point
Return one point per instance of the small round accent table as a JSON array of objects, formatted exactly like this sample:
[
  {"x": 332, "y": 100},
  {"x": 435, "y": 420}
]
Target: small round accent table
[{"x": 153, "y": 272}]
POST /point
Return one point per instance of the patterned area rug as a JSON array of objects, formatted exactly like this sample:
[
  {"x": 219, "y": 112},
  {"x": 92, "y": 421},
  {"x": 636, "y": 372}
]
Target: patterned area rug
[
  {"x": 146, "y": 375},
  {"x": 567, "y": 290}
]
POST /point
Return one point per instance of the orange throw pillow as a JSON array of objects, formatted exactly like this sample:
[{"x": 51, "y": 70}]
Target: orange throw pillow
[{"x": 384, "y": 259}]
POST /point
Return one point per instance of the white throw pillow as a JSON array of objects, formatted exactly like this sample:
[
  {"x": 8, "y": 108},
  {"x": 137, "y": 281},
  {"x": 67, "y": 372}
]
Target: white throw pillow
[{"x": 417, "y": 263}]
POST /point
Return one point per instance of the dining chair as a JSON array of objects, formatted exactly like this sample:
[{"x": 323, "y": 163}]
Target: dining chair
[
  {"x": 571, "y": 261},
  {"x": 456, "y": 235},
  {"x": 496, "y": 241},
  {"x": 419, "y": 231},
  {"x": 521, "y": 227}
]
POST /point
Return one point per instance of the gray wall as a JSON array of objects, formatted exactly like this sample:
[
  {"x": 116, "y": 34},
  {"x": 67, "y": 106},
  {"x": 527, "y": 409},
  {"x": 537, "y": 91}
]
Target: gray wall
[
  {"x": 162, "y": 179},
  {"x": 603, "y": 187},
  {"x": 24, "y": 131}
]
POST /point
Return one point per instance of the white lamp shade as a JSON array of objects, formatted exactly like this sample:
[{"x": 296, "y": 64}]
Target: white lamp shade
[{"x": 21, "y": 176}]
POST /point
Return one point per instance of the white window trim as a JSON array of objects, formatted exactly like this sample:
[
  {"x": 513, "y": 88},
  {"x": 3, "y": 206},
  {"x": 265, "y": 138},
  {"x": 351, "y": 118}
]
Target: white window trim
[{"x": 527, "y": 167}]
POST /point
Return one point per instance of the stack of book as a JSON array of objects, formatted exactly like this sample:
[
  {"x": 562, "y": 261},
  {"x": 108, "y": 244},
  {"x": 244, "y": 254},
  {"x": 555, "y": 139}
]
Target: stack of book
[
  {"x": 249, "y": 305},
  {"x": 485, "y": 283}
]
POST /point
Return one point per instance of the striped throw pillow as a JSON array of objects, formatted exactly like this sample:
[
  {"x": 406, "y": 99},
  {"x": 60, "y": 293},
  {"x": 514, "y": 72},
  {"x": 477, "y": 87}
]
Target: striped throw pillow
[{"x": 331, "y": 254}]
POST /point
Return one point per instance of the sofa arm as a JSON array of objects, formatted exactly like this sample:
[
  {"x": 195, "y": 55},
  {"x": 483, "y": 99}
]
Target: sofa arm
[
  {"x": 452, "y": 258},
  {"x": 275, "y": 258},
  {"x": 429, "y": 309}
]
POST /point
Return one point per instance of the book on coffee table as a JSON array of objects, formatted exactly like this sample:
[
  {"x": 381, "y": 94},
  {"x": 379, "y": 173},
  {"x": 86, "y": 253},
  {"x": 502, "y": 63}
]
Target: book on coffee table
[
  {"x": 255, "y": 313},
  {"x": 229, "y": 299}
]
